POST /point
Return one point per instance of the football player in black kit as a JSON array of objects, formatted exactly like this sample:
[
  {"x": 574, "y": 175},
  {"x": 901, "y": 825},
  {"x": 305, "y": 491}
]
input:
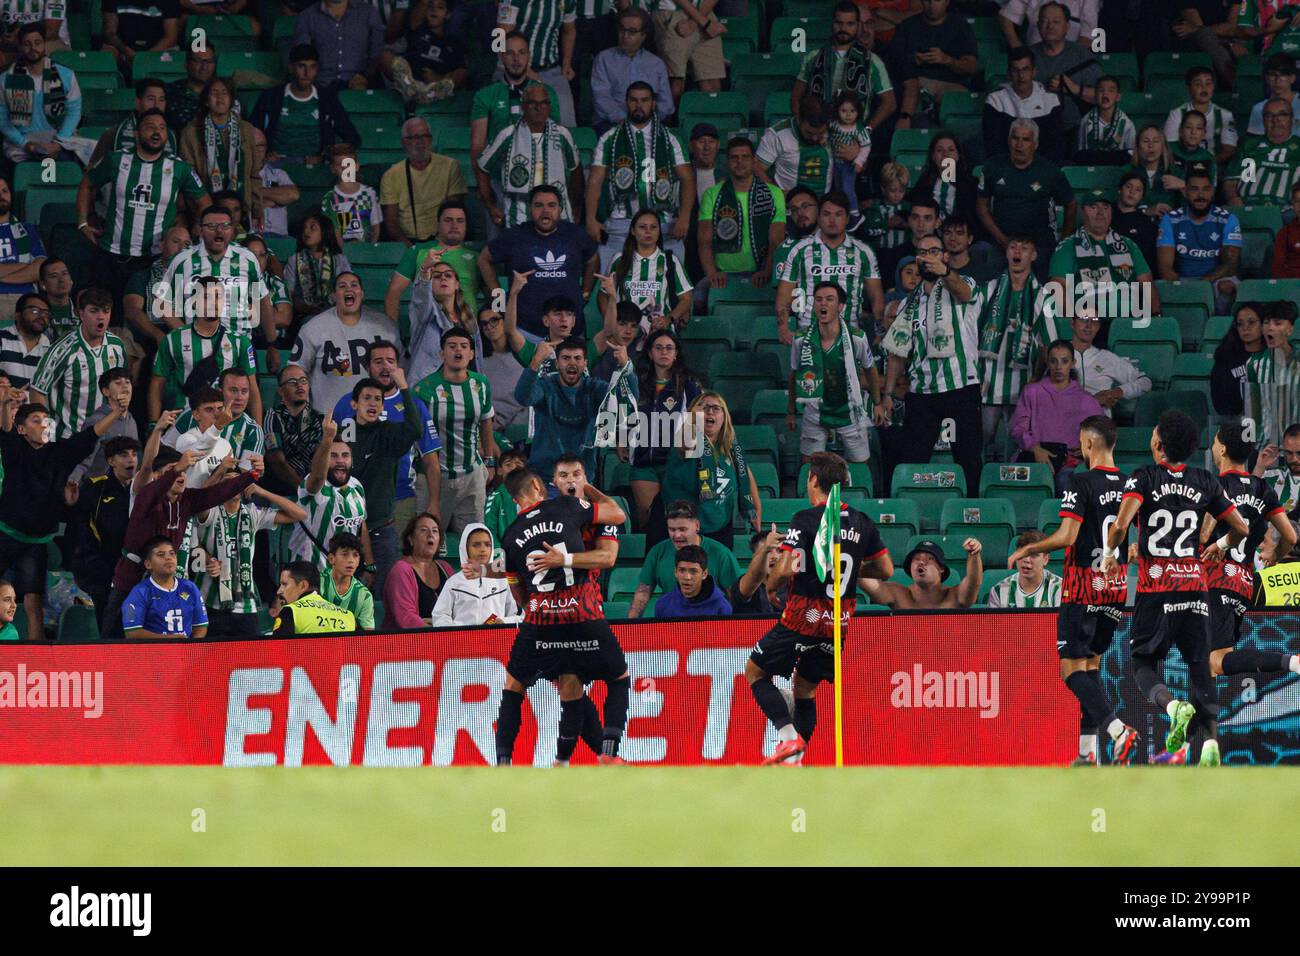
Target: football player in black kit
[
  {"x": 1231, "y": 582},
  {"x": 1091, "y": 603},
  {"x": 1170, "y": 500},
  {"x": 564, "y": 636},
  {"x": 801, "y": 643}
]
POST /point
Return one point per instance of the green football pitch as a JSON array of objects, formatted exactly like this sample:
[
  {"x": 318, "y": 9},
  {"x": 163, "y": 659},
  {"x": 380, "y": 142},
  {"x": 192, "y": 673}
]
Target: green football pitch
[{"x": 643, "y": 815}]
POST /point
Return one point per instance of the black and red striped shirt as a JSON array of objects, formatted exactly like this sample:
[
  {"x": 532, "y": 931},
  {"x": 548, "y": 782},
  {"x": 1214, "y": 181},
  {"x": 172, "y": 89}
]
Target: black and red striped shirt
[
  {"x": 1257, "y": 502},
  {"x": 810, "y": 604},
  {"x": 1174, "y": 500},
  {"x": 1092, "y": 498},
  {"x": 563, "y": 595}
]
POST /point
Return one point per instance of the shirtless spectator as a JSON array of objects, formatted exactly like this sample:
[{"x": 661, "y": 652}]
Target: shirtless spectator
[{"x": 928, "y": 570}]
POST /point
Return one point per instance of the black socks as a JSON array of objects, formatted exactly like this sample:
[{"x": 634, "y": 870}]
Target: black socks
[
  {"x": 571, "y": 714},
  {"x": 1250, "y": 661},
  {"x": 805, "y": 717},
  {"x": 771, "y": 702},
  {"x": 508, "y": 721}
]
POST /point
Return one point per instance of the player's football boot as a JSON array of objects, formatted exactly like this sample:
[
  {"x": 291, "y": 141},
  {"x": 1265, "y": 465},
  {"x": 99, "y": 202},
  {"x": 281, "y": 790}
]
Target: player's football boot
[
  {"x": 786, "y": 749},
  {"x": 1085, "y": 760},
  {"x": 1123, "y": 749},
  {"x": 1172, "y": 758},
  {"x": 607, "y": 761},
  {"x": 1181, "y": 717},
  {"x": 1210, "y": 754}
]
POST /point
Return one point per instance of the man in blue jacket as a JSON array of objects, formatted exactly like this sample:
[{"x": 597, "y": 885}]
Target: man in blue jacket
[
  {"x": 696, "y": 594},
  {"x": 566, "y": 402}
]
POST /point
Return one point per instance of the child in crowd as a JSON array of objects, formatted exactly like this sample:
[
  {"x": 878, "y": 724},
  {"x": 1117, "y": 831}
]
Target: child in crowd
[
  {"x": 886, "y": 218},
  {"x": 351, "y": 205},
  {"x": 1188, "y": 151},
  {"x": 847, "y": 129},
  {"x": 1106, "y": 135},
  {"x": 477, "y": 593}
]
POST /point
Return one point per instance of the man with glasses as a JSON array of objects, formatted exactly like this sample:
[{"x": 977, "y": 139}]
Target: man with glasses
[
  {"x": 800, "y": 223},
  {"x": 23, "y": 343},
  {"x": 292, "y": 430},
  {"x": 1274, "y": 160},
  {"x": 412, "y": 191},
  {"x": 1107, "y": 377},
  {"x": 619, "y": 67},
  {"x": 182, "y": 96},
  {"x": 535, "y": 151},
  {"x": 1279, "y": 79},
  {"x": 1284, "y": 475}
]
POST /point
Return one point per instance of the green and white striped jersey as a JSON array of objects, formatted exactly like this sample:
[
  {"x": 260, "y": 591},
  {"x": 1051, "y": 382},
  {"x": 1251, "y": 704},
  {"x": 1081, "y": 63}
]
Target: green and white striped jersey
[
  {"x": 1272, "y": 170},
  {"x": 1002, "y": 379},
  {"x": 68, "y": 377},
  {"x": 277, "y": 290},
  {"x": 142, "y": 200},
  {"x": 181, "y": 349},
  {"x": 124, "y": 138},
  {"x": 217, "y": 535},
  {"x": 244, "y": 435},
  {"x": 1273, "y": 392},
  {"x": 357, "y": 599},
  {"x": 457, "y": 409},
  {"x": 933, "y": 376},
  {"x": 516, "y": 172},
  {"x": 539, "y": 20},
  {"x": 329, "y": 511},
  {"x": 239, "y": 273},
  {"x": 1220, "y": 126},
  {"x": 812, "y": 261},
  {"x": 653, "y": 283},
  {"x": 1007, "y": 592},
  {"x": 1285, "y": 485}
]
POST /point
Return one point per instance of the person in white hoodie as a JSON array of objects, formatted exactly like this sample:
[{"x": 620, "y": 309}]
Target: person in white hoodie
[{"x": 473, "y": 595}]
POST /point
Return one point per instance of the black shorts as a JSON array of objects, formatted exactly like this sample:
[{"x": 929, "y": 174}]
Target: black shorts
[
  {"x": 1085, "y": 630},
  {"x": 27, "y": 562},
  {"x": 1227, "y": 608},
  {"x": 781, "y": 651},
  {"x": 545, "y": 651},
  {"x": 1178, "y": 619}
]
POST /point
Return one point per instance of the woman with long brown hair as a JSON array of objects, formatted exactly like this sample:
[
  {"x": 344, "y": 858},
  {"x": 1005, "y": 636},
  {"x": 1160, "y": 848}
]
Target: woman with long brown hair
[
  {"x": 219, "y": 145},
  {"x": 666, "y": 387},
  {"x": 437, "y": 304},
  {"x": 416, "y": 580}
]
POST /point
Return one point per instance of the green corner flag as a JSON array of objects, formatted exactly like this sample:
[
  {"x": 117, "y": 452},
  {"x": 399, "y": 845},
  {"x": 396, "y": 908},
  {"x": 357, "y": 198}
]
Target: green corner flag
[{"x": 828, "y": 535}]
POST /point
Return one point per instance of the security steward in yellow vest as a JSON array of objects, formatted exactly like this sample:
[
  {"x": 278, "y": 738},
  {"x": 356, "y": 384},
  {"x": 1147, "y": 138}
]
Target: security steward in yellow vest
[
  {"x": 305, "y": 611},
  {"x": 1278, "y": 586}
]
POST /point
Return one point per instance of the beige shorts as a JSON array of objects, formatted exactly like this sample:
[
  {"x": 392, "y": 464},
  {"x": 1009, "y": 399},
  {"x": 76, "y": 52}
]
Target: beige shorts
[{"x": 704, "y": 56}]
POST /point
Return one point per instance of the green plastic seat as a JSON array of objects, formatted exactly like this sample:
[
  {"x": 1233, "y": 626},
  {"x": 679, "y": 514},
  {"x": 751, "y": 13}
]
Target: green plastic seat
[
  {"x": 631, "y": 548},
  {"x": 85, "y": 62},
  {"x": 1153, "y": 330},
  {"x": 760, "y": 367},
  {"x": 928, "y": 487},
  {"x": 35, "y": 200},
  {"x": 793, "y": 33},
  {"x": 758, "y": 74},
  {"x": 1216, "y": 327},
  {"x": 76, "y": 624},
  {"x": 38, "y": 176},
  {"x": 1119, "y": 65},
  {"x": 1176, "y": 64},
  {"x": 1269, "y": 290},
  {"x": 704, "y": 333},
  {"x": 780, "y": 511},
  {"x": 1156, "y": 359},
  {"x": 912, "y": 141},
  {"x": 759, "y": 443},
  {"x": 1186, "y": 293},
  {"x": 1083, "y": 178},
  {"x": 729, "y": 108},
  {"x": 767, "y": 478},
  {"x": 770, "y": 406},
  {"x": 1192, "y": 371},
  {"x": 990, "y": 520},
  {"x": 1049, "y": 515},
  {"x": 252, "y": 61},
  {"x": 106, "y": 106},
  {"x": 1024, "y": 484},
  {"x": 374, "y": 253},
  {"x": 897, "y": 520},
  {"x": 623, "y": 581},
  {"x": 1152, "y": 404},
  {"x": 737, "y": 291}
]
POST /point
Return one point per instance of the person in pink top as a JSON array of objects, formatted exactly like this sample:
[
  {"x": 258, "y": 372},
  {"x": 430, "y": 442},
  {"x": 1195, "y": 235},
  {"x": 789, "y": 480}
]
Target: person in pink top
[
  {"x": 1046, "y": 421},
  {"x": 413, "y": 586}
]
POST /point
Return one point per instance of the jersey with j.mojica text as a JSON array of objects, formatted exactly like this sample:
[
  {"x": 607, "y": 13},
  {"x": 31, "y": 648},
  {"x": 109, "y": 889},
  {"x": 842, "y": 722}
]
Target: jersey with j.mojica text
[
  {"x": 810, "y": 607},
  {"x": 1257, "y": 503},
  {"x": 1174, "y": 500},
  {"x": 553, "y": 595},
  {"x": 1092, "y": 498}
]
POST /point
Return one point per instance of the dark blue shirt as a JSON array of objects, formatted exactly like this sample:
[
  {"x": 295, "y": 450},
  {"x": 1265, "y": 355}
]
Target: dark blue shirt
[{"x": 556, "y": 261}]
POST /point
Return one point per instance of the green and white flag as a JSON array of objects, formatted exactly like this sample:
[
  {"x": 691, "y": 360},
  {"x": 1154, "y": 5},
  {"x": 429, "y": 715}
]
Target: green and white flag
[{"x": 828, "y": 535}]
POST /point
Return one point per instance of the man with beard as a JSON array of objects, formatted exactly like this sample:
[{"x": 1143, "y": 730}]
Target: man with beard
[
  {"x": 21, "y": 254},
  {"x": 56, "y": 289},
  {"x": 411, "y": 192},
  {"x": 845, "y": 64},
  {"x": 334, "y": 346},
  {"x": 829, "y": 255},
  {"x": 40, "y": 102},
  {"x": 23, "y": 343},
  {"x": 146, "y": 187},
  {"x": 928, "y": 569},
  {"x": 1283, "y": 479},
  {"x": 98, "y": 523},
  {"x": 1201, "y": 241},
  {"x": 800, "y": 223},
  {"x": 67, "y": 378},
  {"x": 793, "y": 151},
  {"x": 560, "y": 255},
  {"x": 447, "y": 246},
  {"x": 500, "y": 104},
  {"x": 335, "y": 501},
  {"x": 150, "y": 94},
  {"x": 639, "y": 164}
]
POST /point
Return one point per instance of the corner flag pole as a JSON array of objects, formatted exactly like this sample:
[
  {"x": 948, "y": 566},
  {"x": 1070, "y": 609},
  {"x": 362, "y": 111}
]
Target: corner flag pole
[{"x": 839, "y": 669}]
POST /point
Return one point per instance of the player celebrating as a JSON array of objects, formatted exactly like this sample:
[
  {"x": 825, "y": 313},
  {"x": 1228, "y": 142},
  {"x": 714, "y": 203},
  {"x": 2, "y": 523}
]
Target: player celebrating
[
  {"x": 1091, "y": 604},
  {"x": 1231, "y": 581},
  {"x": 801, "y": 642},
  {"x": 1170, "y": 501},
  {"x": 564, "y": 636}
]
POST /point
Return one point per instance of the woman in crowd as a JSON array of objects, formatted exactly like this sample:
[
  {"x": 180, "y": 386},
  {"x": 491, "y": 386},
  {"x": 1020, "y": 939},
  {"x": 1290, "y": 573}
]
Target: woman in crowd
[
  {"x": 437, "y": 304},
  {"x": 1046, "y": 421},
  {"x": 667, "y": 386},
  {"x": 955, "y": 192},
  {"x": 309, "y": 273},
  {"x": 414, "y": 583},
  {"x": 501, "y": 368},
  {"x": 1244, "y": 338},
  {"x": 476, "y": 594},
  {"x": 1130, "y": 218},
  {"x": 1151, "y": 161},
  {"x": 219, "y": 145},
  {"x": 717, "y": 481},
  {"x": 649, "y": 276}
]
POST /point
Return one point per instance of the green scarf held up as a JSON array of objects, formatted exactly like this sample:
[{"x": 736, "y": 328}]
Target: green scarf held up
[
  {"x": 628, "y": 168},
  {"x": 761, "y": 207},
  {"x": 810, "y": 372},
  {"x": 1000, "y": 319},
  {"x": 856, "y": 76}
]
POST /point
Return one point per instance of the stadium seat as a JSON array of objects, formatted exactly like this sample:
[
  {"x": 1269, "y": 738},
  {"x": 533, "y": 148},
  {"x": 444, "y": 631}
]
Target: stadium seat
[
  {"x": 623, "y": 581},
  {"x": 1259, "y": 227},
  {"x": 34, "y": 200},
  {"x": 738, "y": 291},
  {"x": 758, "y": 74},
  {"x": 757, "y": 367},
  {"x": 990, "y": 520},
  {"x": 106, "y": 106},
  {"x": 897, "y": 520},
  {"x": 1049, "y": 515},
  {"x": 55, "y": 214},
  {"x": 282, "y": 247},
  {"x": 767, "y": 478},
  {"x": 991, "y": 579},
  {"x": 799, "y": 34},
  {"x": 1175, "y": 64},
  {"x": 373, "y": 253},
  {"x": 369, "y": 102},
  {"x": 1156, "y": 359},
  {"x": 743, "y": 35},
  {"x": 245, "y": 62},
  {"x": 770, "y": 405},
  {"x": 780, "y": 511},
  {"x": 85, "y": 62},
  {"x": 617, "y": 610},
  {"x": 1192, "y": 371},
  {"x": 928, "y": 486},
  {"x": 1092, "y": 177},
  {"x": 37, "y": 175},
  {"x": 704, "y": 333},
  {"x": 631, "y": 548},
  {"x": 729, "y": 110},
  {"x": 1119, "y": 65},
  {"x": 1024, "y": 484},
  {"x": 740, "y": 316},
  {"x": 441, "y": 111},
  {"x": 224, "y": 32},
  {"x": 736, "y": 392},
  {"x": 1157, "y": 329},
  {"x": 1150, "y": 405},
  {"x": 759, "y": 443},
  {"x": 1216, "y": 327},
  {"x": 1269, "y": 290},
  {"x": 776, "y": 107},
  {"x": 762, "y": 331},
  {"x": 76, "y": 624},
  {"x": 1186, "y": 293},
  {"x": 167, "y": 65},
  {"x": 912, "y": 141}
]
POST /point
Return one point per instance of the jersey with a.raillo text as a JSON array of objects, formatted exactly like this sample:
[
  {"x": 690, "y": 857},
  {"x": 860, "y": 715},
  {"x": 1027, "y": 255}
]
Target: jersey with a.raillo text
[
  {"x": 810, "y": 606},
  {"x": 1092, "y": 498},
  {"x": 1256, "y": 502},
  {"x": 1174, "y": 501},
  {"x": 553, "y": 595}
]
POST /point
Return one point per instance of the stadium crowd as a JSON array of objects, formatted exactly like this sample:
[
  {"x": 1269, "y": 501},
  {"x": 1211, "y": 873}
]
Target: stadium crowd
[{"x": 287, "y": 290}]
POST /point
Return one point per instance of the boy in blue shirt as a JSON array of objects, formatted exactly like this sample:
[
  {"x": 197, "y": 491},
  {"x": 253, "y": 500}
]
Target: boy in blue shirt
[
  {"x": 163, "y": 606},
  {"x": 696, "y": 594}
]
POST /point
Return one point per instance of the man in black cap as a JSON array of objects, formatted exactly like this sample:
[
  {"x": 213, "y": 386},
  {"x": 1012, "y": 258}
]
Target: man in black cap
[{"x": 926, "y": 566}]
